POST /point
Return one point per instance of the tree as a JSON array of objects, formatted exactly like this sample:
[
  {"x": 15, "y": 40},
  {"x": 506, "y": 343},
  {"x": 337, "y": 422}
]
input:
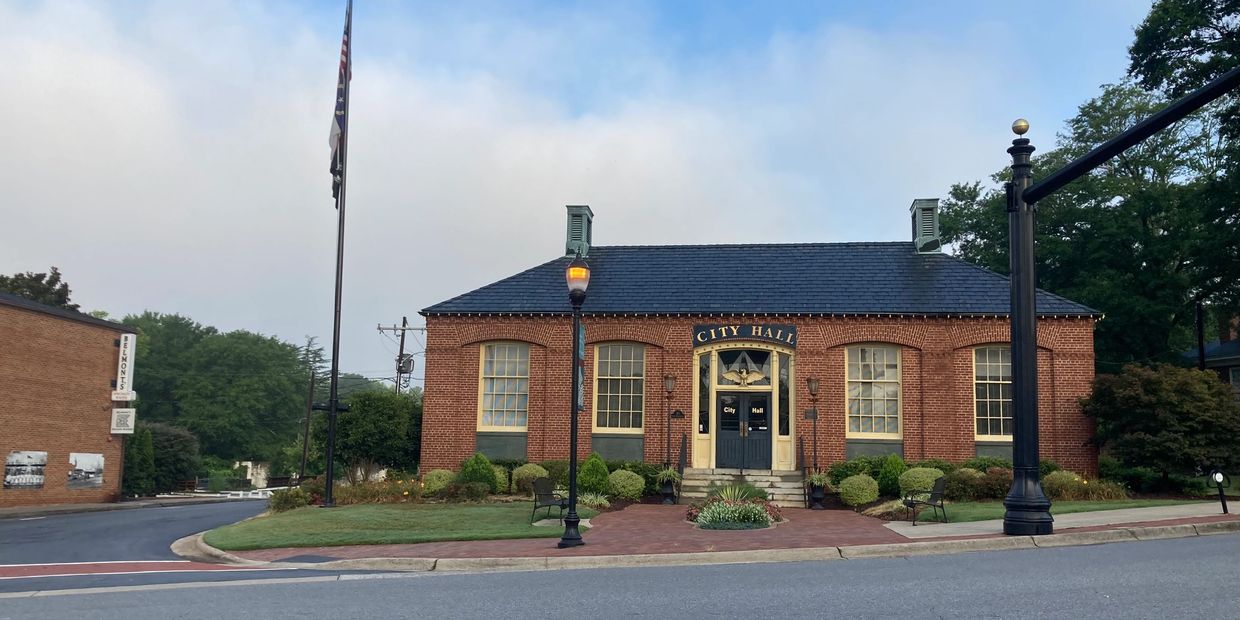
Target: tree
[
  {"x": 1176, "y": 421},
  {"x": 165, "y": 343},
  {"x": 373, "y": 434},
  {"x": 139, "y": 476},
  {"x": 175, "y": 452},
  {"x": 45, "y": 288},
  {"x": 1136, "y": 239}
]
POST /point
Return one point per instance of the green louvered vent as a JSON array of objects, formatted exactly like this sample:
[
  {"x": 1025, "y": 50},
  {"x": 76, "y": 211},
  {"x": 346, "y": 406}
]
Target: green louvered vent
[
  {"x": 925, "y": 212},
  {"x": 580, "y": 227}
]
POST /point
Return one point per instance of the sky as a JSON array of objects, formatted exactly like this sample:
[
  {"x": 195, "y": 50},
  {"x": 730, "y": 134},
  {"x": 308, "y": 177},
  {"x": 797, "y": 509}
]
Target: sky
[{"x": 172, "y": 156}]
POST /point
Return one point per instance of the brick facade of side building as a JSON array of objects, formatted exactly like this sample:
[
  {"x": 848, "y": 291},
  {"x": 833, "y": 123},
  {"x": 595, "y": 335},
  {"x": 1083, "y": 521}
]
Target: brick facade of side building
[
  {"x": 908, "y": 348},
  {"x": 57, "y": 368}
]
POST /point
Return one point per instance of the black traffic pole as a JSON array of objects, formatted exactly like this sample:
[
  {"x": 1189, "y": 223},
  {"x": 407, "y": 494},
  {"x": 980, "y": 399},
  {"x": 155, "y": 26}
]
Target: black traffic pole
[{"x": 1028, "y": 510}]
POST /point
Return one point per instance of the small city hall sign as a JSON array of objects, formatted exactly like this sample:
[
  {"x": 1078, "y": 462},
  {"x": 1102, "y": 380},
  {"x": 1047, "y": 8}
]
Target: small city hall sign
[{"x": 779, "y": 334}]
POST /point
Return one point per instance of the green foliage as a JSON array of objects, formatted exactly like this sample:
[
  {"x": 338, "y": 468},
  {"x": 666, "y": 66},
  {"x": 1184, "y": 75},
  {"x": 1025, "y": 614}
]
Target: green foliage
[
  {"x": 732, "y": 515},
  {"x": 1068, "y": 486},
  {"x": 868, "y": 465},
  {"x": 435, "y": 480},
  {"x": 1139, "y": 479},
  {"x": 594, "y": 500},
  {"x": 288, "y": 499},
  {"x": 373, "y": 434},
  {"x": 994, "y": 484},
  {"x": 983, "y": 463},
  {"x": 857, "y": 490},
  {"x": 1175, "y": 421},
  {"x": 625, "y": 484},
  {"x": 139, "y": 477},
  {"x": 1046, "y": 466},
  {"x": 592, "y": 475},
  {"x": 524, "y": 476},
  {"x": 919, "y": 480},
  {"x": 648, "y": 471},
  {"x": 44, "y": 288},
  {"x": 736, "y": 492},
  {"x": 667, "y": 475},
  {"x": 557, "y": 471},
  {"x": 220, "y": 480},
  {"x": 939, "y": 464},
  {"x": 315, "y": 487},
  {"x": 820, "y": 479},
  {"x": 465, "y": 491},
  {"x": 391, "y": 491},
  {"x": 165, "y": 343},
  {"x": 889, "y": 475},
  {"x": 962, "y": 484},
  {"x": 502, "y": 484},
  {"x": 478, "y": 469}
]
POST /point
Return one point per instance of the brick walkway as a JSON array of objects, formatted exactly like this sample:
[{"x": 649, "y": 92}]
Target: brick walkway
[{"x": 639, "y": 528}]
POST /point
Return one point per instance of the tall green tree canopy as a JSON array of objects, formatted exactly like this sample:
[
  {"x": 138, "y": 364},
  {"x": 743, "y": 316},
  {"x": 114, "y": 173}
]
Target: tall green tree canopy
[
  {"x": 45, "y": 288},
  {"x": 165, "y": 342},
  {"x": 375, "y": 432}
]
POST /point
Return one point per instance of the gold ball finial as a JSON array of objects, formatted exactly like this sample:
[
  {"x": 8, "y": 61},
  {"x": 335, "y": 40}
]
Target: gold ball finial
[{"x": 1020, "y": 126}]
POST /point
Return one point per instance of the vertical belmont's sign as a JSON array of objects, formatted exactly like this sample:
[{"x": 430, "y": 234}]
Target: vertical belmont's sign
[
  {"x": 779, "y": 334},
  {"x": 124, "y": 369}
]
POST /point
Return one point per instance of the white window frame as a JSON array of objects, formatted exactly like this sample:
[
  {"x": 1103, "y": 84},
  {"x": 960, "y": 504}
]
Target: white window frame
[
  {"x": 521, "y": 397},
  {"x": 977, "y": 382},
  {"x": 602, "y": 374},
  {"x": 860, "y": 383}
]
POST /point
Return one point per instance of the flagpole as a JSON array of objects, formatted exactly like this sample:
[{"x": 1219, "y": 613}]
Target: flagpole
[{"x": 334, "y": 396}]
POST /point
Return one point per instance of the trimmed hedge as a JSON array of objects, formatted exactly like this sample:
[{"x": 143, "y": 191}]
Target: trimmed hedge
[
  {"x": 962, "y": 484},
  {"x": 592, "y": 475},
  {"x": 919, "y": 480},
  {"x": 478, "y": 468},
  {"x": 288, "y": 499},
  {"x": 501, "y": 478},
  {"x": 859, "y": 489},
  {"x": 625, "y": 484},
  {"x": 889, "y": 475},
  {"x": 524, "y": 476},
  {"x": 557, "y": 471},
  {"x": 434, "y": 481},
  {"x": 648, "y": 472}
]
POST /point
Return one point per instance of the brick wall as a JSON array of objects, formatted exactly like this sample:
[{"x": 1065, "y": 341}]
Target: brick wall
[
  {"x": 936, "y": 382},
  {"x": 57, "y": 378}
]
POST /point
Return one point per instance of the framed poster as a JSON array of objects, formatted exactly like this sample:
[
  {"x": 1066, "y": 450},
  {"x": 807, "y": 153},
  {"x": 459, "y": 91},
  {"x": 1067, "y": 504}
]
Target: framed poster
[
  {"x": 23, "y": 469},
  {"x": 85, "y": 470}
]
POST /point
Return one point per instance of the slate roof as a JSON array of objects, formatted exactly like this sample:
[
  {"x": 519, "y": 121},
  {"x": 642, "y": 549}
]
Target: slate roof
[
  {"x": 795, "y": 278},
  {"x": 9, "y": 299}
]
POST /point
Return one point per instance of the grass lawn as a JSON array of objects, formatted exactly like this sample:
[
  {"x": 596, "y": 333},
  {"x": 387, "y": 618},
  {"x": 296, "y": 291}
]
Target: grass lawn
[
  {"x": 375, "y": 524},
  {"x": 960, "y": 512}
]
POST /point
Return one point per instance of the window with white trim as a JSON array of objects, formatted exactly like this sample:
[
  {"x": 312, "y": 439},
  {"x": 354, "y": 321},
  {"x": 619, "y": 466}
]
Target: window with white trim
[
  {"x": 504, "y": 386},
  {"x": 992, "y": 392},
  {"x": 619, "y": 384},
  {"x": 874, "y": 391}
]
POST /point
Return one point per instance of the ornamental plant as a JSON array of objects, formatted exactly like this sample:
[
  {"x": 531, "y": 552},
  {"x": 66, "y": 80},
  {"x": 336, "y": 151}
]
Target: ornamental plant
[
  {"x": 857, "y": 490},
  {"x": 962, "y": 484},
  {"x": 889, "y": 475},
  {"x": 288, "y": 499},
  {"x": 434, "y": 481},
  {"x": 919, "y": 480},
  {"x": 524, "y": 476},
  {"x": 728, "y": 515},
  {"x": 626, "y": 484},
  {"x": 594, "y": 500},
  {"x": 478, "y": 468},
  {"x": 592, "y": 477},
  {"x": 667, "y": 475},
  {"x": 737, "y": 492},
  {"x": 501, "y": 478},
  {"x": 820, "y": 479}
]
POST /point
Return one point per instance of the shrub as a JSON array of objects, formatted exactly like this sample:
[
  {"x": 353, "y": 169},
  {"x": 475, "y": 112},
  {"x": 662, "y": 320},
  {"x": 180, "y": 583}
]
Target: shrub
[
  {"x": 736, "y": 492},
  {"x": 868, "y": 465},
  {"x": 315, "y": 487},
  {"x": 524, "y": 476},
  {"x": 994, "y": 484},
  {"x": 435, "y": 480},
  {"x": 821, "y": 479},
  {"x": 1172, "y": 420},
  {"x": 393, "y": 491},
  {"x": 288, "y": 499},
  {"x": 594, "y": 500},
  {"x": 478, "y": 469},
  {"x": 1066, "y": 485},
  {"x": 648, "y": 471},
  {"x": 962, "y": 484},
  {"x": 857, "y": 490},
  {"x": 139, "y": 478},
  {"x": 918, "y": 480},
  {"x": 592, "y": 476},
  {"x": 501, "y": 479},
  {"x": 1047, "y": 466},
  {"x": 725, "y": 515},
  {"x": 889, "y": 475},
  {"x": 667, "y": 475},
  {"x": 176, "y": 455},
  {"x": 465, "y": 491},
  {"x": 219, "y": 480},
  {"x": 625, "y": 484},
  {"x": 944, "y": 466},
  {"x": 557, "y": 471},
  {"x": 984, "y": 463}
]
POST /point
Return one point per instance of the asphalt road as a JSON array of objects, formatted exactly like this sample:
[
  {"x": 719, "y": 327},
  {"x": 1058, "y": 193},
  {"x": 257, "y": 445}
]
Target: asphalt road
[{"x": 1181, "y": 578}]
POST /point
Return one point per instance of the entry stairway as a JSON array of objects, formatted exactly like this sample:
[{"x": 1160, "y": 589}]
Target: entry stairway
[{"x": 784, "y": 488}]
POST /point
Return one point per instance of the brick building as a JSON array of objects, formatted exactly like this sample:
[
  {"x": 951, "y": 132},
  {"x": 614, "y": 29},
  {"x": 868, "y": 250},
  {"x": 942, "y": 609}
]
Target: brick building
[
  {"x": 908, "y": 348},
  {"x": 58, "y": 368}
]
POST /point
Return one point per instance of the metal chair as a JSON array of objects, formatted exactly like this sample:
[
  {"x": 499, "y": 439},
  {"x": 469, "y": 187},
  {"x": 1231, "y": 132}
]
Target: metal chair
[
  {"x": 546, "y": 497},
  {"x": 934, "y": 501}
]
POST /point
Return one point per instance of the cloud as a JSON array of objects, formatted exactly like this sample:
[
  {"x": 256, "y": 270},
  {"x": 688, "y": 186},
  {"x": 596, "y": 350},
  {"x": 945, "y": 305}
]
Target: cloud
[{"x": 173, "y": 157}]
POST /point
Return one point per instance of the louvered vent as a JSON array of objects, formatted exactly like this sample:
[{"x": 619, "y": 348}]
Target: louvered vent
[
  {"x": 925, "y": 212},
  {"x": 580, "y": 227}
]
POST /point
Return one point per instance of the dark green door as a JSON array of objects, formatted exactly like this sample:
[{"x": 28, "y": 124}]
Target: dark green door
[{"x": 743, "y": 436}]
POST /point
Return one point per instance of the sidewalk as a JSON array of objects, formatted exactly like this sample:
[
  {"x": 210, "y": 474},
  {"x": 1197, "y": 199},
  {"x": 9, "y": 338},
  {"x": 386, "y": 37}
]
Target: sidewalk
[
  {"x": 644, "y": 534},
  {"x": 23, "y": 512}
]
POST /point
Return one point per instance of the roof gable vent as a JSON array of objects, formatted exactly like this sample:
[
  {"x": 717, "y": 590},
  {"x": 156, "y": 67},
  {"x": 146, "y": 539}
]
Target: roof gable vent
[
  {"x": 580, "y": 228},
  {"x": 925, "y": 212}
]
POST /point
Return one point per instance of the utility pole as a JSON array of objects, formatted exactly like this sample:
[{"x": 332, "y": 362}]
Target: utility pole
[
  {"x": 305, "y": 437},
  {"x": 404, "y": 363}
]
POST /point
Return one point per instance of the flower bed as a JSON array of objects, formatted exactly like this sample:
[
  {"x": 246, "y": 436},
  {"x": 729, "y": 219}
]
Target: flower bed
[{"x": 734, "y": 514}]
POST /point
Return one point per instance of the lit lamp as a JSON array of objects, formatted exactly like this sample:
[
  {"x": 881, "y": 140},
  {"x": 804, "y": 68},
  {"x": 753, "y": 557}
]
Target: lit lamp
[
  {"x": 812, "y": 413},
  {"x": 577, "y": 275},
  {"x": 1221, "y": 480},
  {"x": 669, "y": 386}
]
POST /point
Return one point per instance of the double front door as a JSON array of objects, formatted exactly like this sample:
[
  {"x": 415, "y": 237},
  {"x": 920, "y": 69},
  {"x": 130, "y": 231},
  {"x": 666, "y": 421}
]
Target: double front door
[{"x": 744, "y": 433}]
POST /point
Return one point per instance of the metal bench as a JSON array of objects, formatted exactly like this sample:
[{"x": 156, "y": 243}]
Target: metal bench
[
  {"x": 934, "y": 501},
  {"x": 546, "y": 497}
]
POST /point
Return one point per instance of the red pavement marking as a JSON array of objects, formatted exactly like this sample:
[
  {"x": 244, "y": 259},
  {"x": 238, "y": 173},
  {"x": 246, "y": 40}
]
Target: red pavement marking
[{"x": 23, "y": 571}]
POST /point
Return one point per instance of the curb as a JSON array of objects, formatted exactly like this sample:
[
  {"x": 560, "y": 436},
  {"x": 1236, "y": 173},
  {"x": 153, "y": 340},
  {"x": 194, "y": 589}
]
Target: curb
[{"x": 193, "y": 547}]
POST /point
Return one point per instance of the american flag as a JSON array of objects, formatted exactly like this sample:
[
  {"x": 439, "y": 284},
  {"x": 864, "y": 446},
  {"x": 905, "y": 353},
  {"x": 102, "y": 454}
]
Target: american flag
[{"x": 340, "y": 120}]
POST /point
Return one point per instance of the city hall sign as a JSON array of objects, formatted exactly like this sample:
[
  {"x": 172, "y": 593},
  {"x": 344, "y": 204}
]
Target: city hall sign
[{"x": 785, "y": 335}]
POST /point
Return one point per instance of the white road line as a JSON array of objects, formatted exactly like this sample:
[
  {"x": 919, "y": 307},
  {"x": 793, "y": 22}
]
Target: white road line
[
  {"x": 99, "y": 562},
  {"x": 208, "y": 584},
  {"x": 31, "y": 518},
  {"x": 146, "y": 572}
]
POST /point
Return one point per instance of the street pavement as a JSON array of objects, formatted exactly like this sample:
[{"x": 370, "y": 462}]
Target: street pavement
[{"x": 1180, "y": 578}]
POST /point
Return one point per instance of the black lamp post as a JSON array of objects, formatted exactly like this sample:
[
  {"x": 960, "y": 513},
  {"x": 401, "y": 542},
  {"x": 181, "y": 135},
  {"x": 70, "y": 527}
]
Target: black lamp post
[
  {"x": 669, "y": 385},
  {"x": 812, "y": 413},
  {"x": 578, "y": 277}
]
